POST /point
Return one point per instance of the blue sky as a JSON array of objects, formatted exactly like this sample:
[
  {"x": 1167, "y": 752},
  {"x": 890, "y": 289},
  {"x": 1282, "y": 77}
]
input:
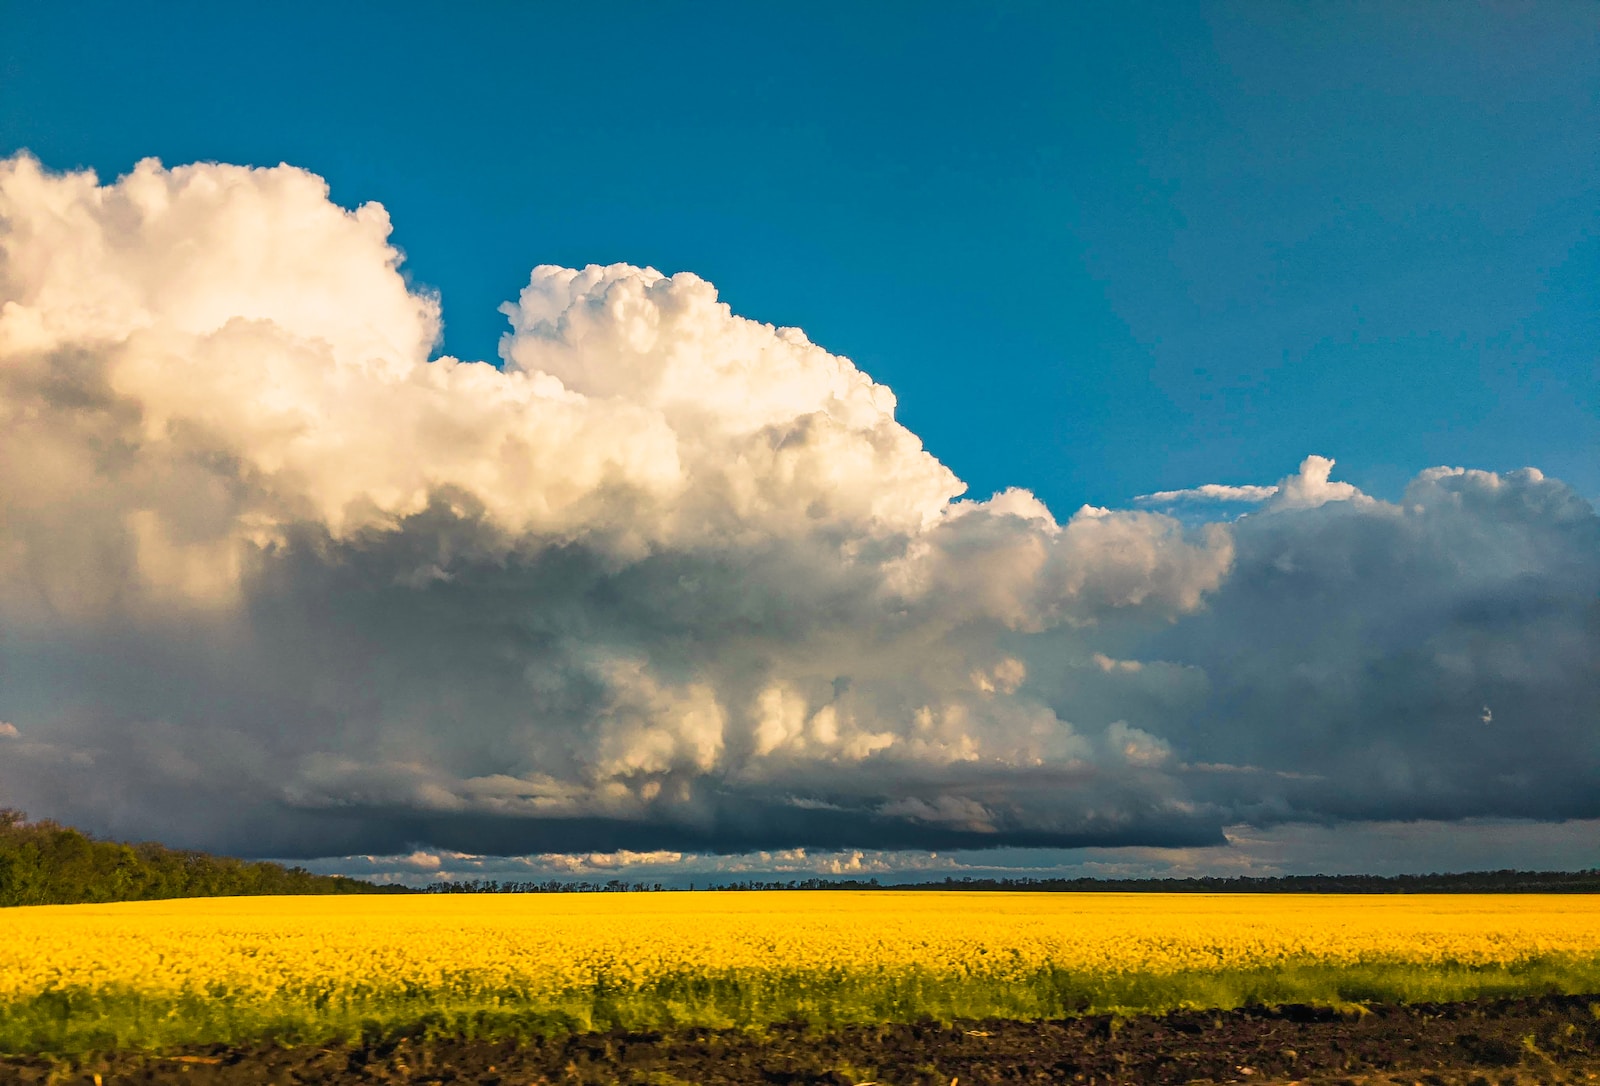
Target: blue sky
[
  {"x": 664, "y": 589},
  {"x": 1096, "y": 250}
]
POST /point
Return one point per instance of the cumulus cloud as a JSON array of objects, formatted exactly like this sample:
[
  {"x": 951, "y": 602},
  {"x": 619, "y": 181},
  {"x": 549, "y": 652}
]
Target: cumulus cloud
[
  {"x": 664, "y": 574},
  {"x": 666, "y": 580}
]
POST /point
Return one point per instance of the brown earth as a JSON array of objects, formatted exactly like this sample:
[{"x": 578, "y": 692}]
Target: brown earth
[{"x": 1509, "y": 1042}]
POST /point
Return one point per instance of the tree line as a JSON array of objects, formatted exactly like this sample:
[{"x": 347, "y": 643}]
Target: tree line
[
  {"x": 46, "y": 863},
  {"x": 548, "y": 886},
  {"x": 1473, "y": 882}
]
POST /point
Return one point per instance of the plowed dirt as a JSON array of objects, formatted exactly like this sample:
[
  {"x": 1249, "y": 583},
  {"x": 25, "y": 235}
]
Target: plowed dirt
[{"x": 1525, "y": 1042}]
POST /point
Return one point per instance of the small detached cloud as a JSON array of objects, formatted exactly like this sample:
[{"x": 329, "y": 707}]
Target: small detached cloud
[
  {"x": 1305, "y": 489},
  {"x": 9, "y": 731},
  {"x": 597, "y": 862},
  {"x": 1210, "y": 492}
]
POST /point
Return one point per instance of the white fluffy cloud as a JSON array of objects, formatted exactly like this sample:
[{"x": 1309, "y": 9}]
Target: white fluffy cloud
[{"x": 665, "y": 579}]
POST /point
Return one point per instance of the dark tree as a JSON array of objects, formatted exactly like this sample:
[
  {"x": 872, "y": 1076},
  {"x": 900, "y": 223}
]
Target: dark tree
[{"x": 45, "y": 863}]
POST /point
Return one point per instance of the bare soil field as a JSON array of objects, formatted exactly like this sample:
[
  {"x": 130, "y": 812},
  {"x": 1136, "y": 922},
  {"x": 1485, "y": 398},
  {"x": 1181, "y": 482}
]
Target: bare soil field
[{"x": 1506, "y": 1042}]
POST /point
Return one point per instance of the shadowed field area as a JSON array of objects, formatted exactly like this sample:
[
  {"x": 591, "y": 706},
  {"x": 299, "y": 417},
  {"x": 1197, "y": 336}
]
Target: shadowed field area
[{"x": 1514, "y": 1042}]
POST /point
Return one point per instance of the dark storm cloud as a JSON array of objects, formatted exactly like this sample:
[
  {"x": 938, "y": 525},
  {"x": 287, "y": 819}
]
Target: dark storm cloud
[{"x": 1435, "y": 658}]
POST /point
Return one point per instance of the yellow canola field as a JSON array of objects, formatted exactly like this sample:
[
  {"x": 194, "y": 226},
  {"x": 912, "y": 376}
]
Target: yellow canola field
[
  {"x": 553, "y": 943},
  {"x": 221, "y": 968}
]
